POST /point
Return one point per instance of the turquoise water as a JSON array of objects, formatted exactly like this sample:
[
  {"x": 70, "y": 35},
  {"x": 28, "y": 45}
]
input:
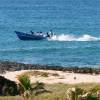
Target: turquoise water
[{"x": 76, "y": 24}]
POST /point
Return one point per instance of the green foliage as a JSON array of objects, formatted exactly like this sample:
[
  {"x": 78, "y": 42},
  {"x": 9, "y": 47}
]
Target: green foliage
[
  {"x": 25, "y": 86},
  {"x": 24, "y": 82},
  {"x": 58, "y": 92},
  {"x": 90, "y": 97}
]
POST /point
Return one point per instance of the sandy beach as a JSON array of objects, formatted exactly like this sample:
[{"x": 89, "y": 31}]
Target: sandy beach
[{"x": 53, "y": 77}]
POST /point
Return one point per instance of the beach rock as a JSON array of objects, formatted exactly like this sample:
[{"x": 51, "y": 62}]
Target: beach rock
[
  {"x": 14, "y": 66},
  {"x": 7, "y": 87}
]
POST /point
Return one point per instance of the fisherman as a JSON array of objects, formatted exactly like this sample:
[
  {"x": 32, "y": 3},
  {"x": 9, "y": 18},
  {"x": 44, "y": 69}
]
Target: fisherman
[
  {"x": 40, "y": 33},
  {"x": 51, "y": 33},
  {"x": 48, "y": 35},
  {"x": 32, "y": 32}
]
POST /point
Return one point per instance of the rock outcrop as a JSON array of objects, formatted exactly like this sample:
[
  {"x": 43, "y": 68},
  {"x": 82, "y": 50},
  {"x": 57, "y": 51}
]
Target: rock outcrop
[{"x": 8, "y": 87}]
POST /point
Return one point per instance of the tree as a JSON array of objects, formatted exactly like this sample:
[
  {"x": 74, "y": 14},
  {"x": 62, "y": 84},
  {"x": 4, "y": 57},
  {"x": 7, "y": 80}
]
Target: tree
[{"x": 25, "y": 86}]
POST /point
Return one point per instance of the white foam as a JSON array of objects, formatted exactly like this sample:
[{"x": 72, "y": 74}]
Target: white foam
[{"x": 84, "y": 37}]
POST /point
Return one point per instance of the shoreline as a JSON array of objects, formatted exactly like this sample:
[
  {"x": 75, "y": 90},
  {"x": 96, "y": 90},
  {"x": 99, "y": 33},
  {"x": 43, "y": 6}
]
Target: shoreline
[
  {"x": 15, "y": 66},
  {"x": 49, "y": 74}
]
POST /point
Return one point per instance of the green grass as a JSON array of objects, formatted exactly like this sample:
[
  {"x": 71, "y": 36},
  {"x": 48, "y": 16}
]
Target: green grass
[{"x": 54, "y": 92}]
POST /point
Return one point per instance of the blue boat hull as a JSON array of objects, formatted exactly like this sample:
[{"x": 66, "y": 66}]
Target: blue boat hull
[{"x": 25, "y": 36}]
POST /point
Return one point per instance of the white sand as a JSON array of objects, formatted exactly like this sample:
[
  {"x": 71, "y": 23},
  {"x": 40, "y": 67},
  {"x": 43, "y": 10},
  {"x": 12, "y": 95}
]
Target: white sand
[{"x": 63, "y": 77}]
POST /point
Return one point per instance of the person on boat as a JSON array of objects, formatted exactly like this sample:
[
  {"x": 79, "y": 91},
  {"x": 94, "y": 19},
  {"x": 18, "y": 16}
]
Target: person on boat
[
  {"x": 40, "y": 33},
  {"x": 32, "y": 32},
  {"x": 48, "y": 35},
  {"x": 51, "y": 33}
]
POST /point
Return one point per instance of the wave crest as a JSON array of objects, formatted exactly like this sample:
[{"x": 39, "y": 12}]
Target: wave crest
[{"x": 84, "y": 37}]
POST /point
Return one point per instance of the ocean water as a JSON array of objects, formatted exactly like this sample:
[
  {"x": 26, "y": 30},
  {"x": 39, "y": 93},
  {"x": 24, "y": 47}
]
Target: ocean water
[{"x": 75, "y": 23}]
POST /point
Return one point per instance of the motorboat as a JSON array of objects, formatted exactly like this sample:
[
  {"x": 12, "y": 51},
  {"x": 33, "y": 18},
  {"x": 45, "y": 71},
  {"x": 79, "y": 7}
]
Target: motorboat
[{"x": 32, "y": 36}]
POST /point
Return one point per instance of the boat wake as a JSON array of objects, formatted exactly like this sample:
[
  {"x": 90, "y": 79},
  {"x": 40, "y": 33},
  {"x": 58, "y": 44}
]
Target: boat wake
[{"x": 84, "y": 37}]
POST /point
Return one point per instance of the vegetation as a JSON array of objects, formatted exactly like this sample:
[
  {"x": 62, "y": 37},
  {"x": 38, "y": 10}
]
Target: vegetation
[
  {"x": 40, "y": 91},
  {"x": 36, "y": 73},
  {"x": 25, "y": 86},
  {"x": 39, "y": 73},
  {"x": 73, "y": 93},
  {"x": 59, "y": 92},
  {"x": 27, "y": 90},
  {"x": 81, "y": 94}
]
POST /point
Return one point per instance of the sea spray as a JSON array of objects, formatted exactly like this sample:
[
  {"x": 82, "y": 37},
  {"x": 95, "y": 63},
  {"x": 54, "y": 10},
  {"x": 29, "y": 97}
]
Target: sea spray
[{"x": 84, "y": 37}]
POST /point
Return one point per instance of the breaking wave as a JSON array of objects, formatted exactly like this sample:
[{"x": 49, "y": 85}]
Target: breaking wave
[{"x": 84, "y": 37}]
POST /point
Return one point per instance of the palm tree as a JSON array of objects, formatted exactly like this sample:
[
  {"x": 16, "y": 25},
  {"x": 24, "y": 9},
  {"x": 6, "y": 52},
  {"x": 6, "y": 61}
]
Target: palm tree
[{"x": 25, "y": 86}]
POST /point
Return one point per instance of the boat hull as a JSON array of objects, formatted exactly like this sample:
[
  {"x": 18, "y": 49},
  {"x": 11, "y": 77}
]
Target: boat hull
[{"x": 25, "y": 36}]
